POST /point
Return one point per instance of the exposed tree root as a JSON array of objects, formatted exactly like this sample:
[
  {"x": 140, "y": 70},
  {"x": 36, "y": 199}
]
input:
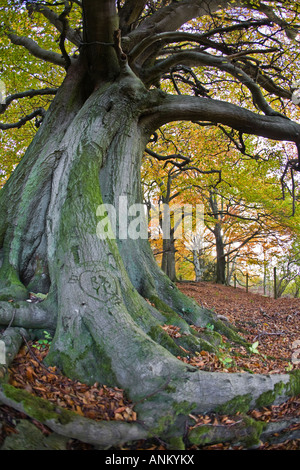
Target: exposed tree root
[
  {"x": 244, "y": 430},
  {"x": 105, "y": 434},
  {"x": 281, "y": 431},
  {"x": 102, "y": 434},
  {"x": 12, "y": 339},
  {"x": 26, "y": 315},
  {"x": 165, "y": 412}
]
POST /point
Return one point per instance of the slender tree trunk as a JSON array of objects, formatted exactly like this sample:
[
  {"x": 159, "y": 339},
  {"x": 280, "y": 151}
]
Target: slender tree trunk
[
  {"x": 168, "y": 263},
  {"x": 217, "y": 231},
  {"x": 197, "y": 266},
  {"x": 221, "y": 260}
]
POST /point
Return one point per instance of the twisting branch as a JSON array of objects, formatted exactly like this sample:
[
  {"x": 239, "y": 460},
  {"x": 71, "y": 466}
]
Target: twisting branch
[
  {"x": 237, "y": 27},
  {"x": 16, "y": 125},
  {"x": 263, "y": 79},
  {"x": 183, "y": 107},
  {"x": 195, "y": 84},
  {"x": 292, "y": 165},
  {"x": 240, "y": 144},
  {"x": 35, "y": 49},
  {"x": 26, "y": 94},
  {"x": 169, "y": 158},
  {"x": 192, "y": 58},
  {"x": 65, "y": 25},
  {"x": 179, "y": 36},
  {"x": 71, "y": 34},
  {"x": 206, "y": 172}
]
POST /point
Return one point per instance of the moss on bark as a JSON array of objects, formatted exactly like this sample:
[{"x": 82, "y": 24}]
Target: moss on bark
[
  {"x": 38, "y": 408},
  {"x": 11, "y": 288},
  {"x": 245, "y": 431}
]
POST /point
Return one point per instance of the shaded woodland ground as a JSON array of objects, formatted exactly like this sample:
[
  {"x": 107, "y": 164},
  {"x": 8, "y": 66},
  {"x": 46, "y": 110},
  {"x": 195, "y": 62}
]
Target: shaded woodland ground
[{"x": 271, "y": 326}]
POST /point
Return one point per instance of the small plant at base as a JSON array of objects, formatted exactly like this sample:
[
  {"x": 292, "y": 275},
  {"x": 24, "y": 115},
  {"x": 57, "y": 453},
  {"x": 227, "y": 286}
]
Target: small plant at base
[
  {"x": 209, "y": 326},
  {"x": 226, "y": 361},
  {"x": 43, "y": 343},
  {"x": 253, "y": 348}
]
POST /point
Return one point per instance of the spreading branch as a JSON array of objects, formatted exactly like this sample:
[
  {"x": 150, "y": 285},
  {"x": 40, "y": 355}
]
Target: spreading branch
[
  {"x": 35, "y": 49},
  {"x": 179, "y": 36},
  {"x": 169, "y": 158},
  {"x": 57, "y": 21},
  {"x": 198, "y": 59},
  {"x": 175, "y": 108},
  {"x": 26, "y": 94},
  {"x": 16, "y": 125}
]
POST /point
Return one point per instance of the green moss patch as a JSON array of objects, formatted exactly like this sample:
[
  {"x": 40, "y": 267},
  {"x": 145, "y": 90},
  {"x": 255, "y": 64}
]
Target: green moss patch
[
  {"x": 240, "y": 403},
  {"x": 38, "y": 408}
]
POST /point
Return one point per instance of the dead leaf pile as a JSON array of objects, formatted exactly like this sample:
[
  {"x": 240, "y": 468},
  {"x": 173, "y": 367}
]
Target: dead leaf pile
[
  {"x": 274, "y": 323},
  {"x": 97, "y": 402}
]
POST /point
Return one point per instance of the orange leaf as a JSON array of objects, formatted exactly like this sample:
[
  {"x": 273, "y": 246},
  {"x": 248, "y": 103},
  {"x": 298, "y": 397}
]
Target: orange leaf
[{"x": 120, "y": 410}]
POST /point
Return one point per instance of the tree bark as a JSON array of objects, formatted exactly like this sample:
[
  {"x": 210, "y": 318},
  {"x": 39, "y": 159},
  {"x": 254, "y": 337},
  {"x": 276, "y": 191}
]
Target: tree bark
[
  {"x": 197, "y": 266},
  {"x": 217, "y": 231},
  {"x": 168, "y": 264},
  {"x": 221, "y": 260}
]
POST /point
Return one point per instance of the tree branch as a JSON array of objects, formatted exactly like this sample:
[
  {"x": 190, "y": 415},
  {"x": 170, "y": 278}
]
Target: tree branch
[
  {"x": 169, "y": 158},
  {"x": 130, "y": 13},
  {"x": 35, "y": 49},
  {"x": 264, "y": 80},
  {"x": 65, "y": 25},
  {"x": 291, "y": 32},
  {"x": 71, "y": 34},
  {"x": 198, "y": 59},
  {"x": 26, "y": 94},
  {"x": 23, "y": 120},
  {"x": 173, "y": 16},
  {"x": 189, "y": 108},
  {"x": 179, "y": 36}
]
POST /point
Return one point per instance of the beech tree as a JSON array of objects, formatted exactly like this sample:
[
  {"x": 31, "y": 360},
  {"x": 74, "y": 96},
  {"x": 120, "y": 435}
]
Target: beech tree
[{"x": 106, "y": 298}]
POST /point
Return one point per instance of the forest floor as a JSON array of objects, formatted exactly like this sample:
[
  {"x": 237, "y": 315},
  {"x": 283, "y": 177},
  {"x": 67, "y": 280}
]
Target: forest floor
[{"x": 271, "y": 326}]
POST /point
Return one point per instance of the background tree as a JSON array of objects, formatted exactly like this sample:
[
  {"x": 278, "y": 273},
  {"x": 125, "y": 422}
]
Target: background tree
[{"x": 106, "y": 298}]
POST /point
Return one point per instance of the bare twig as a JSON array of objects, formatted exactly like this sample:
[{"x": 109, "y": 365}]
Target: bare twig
[{"x": 265, "y": 333}]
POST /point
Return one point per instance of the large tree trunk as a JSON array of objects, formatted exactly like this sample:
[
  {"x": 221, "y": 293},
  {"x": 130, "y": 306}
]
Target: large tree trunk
[{"x": 107, "y": 298}]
